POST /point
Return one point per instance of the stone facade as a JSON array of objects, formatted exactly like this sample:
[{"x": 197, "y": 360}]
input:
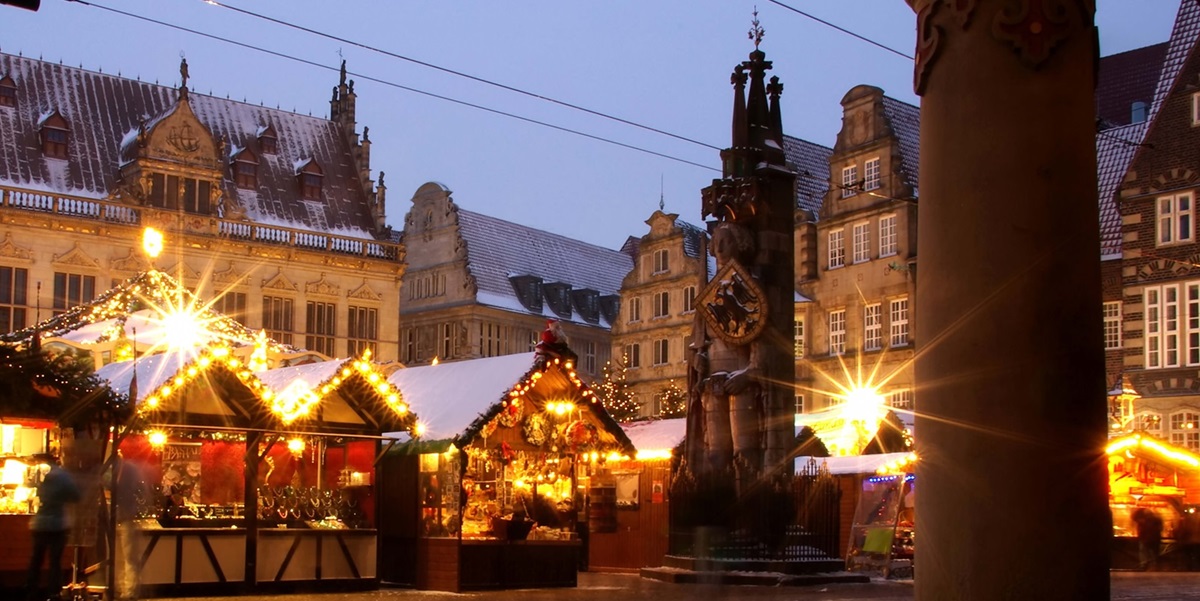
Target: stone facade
[
  {"x": 269, "y": 215},
  {"x": 477, "y": 286},
  {"x": 856, "y": 259},
  {"x": 658, "y": 309}
]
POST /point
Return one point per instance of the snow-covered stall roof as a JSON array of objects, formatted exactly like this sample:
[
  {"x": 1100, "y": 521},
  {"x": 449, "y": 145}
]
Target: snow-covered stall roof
[
  {"x": 449, "y": 396},
  {"x": 856, "y": 464},
  {"x": 654, "y": 436}
]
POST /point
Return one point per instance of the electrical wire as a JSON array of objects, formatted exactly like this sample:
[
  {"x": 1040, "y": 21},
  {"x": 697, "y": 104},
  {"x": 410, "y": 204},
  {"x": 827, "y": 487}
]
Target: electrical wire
[
  {"x": 398, "y": 86},
  {"x": 843, "y": 30},
  {"x": 457, "y": 73}
]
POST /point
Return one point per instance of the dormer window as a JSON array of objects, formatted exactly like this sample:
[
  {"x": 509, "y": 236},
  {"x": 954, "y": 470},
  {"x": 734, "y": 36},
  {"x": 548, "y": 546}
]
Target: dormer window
[
  {"x": 267, "y": 140},
  {"x": 311, "y": 179},
  {"x": 245, "y": 169},
  {"x": 54, "y": 131},
  {"x": 8, "y": 91}
]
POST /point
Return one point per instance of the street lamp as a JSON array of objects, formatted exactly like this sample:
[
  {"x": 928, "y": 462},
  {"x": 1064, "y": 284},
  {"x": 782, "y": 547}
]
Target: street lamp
[{"x": 1120, "y": 404}]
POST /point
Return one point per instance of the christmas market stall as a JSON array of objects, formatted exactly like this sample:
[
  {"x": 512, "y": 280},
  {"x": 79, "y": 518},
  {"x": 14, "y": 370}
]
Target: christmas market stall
[
  {"x": 492, "y": 491},
  {"x": 1148, "y": 475},
  {"x": 253, "y": 481},
  {"x": 634, "y": 536}
]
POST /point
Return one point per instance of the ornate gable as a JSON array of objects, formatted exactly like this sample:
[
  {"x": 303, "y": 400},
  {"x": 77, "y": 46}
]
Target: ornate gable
[
  {"x": 364, "y": 292},
  {"x": 9, "y": 250},
  {"x": 183, "y": 272},
  {"x": 76, "y": 257},
  {"x": 279, "y": 282},
  {"x": 323, "y": 287},
  {"x": 179, "y": 137},
  {"x": 229, "y": 277},
  {"x": 133, "y": 261}
]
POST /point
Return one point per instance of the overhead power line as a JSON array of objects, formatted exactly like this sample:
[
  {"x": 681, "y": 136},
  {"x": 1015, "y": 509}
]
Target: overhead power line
[
  {"x": 457, "y": 73},
  {"x": 843, "y": 30},
  {"x": 396, "y": 85}
]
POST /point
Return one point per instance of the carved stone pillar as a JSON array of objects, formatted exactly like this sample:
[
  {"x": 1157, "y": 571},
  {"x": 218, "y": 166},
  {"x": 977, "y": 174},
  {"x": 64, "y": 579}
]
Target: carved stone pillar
[{"x": 1011, "y": 486}]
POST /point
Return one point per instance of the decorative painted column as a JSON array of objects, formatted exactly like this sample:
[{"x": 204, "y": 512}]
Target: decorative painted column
[{"x": 1011, "y": 487}]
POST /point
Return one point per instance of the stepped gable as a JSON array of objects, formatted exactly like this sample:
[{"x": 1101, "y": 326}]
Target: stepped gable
[
  {"x": 500, "y": 249},
  {"x": 1125, "y": 78},
  {"x": 811, "y": 162},
  {"x": 905, "y": 121},
  {"x": 1115, "y": 148},
  {"x": 105, "y": 112}
]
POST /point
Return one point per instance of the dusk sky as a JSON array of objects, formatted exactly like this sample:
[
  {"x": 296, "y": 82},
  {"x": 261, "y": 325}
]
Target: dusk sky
[{"x": 663, "y": 64}]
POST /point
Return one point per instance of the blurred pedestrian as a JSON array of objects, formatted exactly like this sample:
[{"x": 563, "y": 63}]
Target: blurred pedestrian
[
  {"x": 133, "y": 494},
  {"x": 50, "y": 527},
  {"x": 1149, "y": 535}
]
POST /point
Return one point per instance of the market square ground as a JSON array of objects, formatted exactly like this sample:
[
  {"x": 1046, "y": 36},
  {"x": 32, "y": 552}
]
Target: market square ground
[{"x": 1142, "y": 586}]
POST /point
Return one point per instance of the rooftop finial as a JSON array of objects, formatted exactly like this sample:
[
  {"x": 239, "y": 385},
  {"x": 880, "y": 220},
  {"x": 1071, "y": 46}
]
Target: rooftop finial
[
  {"x": 183, "y": 75},
  {"x": 661, "y": 199},
  {"x": 342, "y": 75},
  {"x": 756, "y": 30}
]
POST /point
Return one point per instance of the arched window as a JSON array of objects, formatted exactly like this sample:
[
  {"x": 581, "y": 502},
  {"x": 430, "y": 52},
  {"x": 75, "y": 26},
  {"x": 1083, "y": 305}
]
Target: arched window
[{"x": 1185, "y": 429}]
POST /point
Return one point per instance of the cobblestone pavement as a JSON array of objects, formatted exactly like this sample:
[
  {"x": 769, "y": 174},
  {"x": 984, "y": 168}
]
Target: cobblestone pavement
[{"x": 1126, "y": 586}]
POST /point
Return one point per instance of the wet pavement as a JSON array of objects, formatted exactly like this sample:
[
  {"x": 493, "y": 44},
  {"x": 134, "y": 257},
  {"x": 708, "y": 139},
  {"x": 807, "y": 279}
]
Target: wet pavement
[{"x": 1126, "y": 586}]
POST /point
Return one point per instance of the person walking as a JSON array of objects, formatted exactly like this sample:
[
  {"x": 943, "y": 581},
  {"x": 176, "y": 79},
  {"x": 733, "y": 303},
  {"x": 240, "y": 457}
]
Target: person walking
[
  {"x": 50, "y": 527},
  {"x": 1149, "y": 535}
]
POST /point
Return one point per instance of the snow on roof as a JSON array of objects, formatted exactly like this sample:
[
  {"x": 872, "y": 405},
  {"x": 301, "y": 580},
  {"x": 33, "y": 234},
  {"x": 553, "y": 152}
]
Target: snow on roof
[
  {"x": 103, "y": 109},
  {"x": 448, "y": 397},
  {"x": 905, "y": 120},
  {"x": 811, "y": 162},
  {"x": 310, "y": 375},
  {"x": 152, "y": 372},
  {"x": 1183, "y": 38},
  {"x": 1115, "y": 148},
  {"x": 498, "y": 248},
  {"x": 658, "y": 434},
  {"x": 859, "y": 464}
]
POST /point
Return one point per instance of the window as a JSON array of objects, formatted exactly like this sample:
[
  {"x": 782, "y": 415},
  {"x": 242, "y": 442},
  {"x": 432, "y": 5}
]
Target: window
[
  {"x": 8, "y": 91},
  {"x": 245, "y": 171},
  {"x": 363, "y": 330},
  {"x": 489, "y": 340},
  {"x": 1112, "y": 325},
  {"x": 277, "y": 318},
  {"x": 871, "y": 174},
  {"x": 887, "y": 235},
  {"x": 661, "y": 352},
  {"x": 13, "y": 298},
  {"x": 1185, "y": 429},
  {"x": 798, "y": 336},
  {"x": 1166, "y": 335},
  {"x": 689, "y": 299},
  {"x": 54, "y": 132},
  {"x": 71, "y": 290},
  {"x": 899, "y": 322},
  {"x": 849, "y": 181},
  {"x": 837, "y": 249},
  {"x": 410, "y": 345},
  {"x": 873, "y": 327},
  {"x": 862, "y": 242},
  {"x": 589, "y": 357},
  {"x": 901, "y": 399},
  {"x": 799, "y": 404},
  {"x": 1174, "y": 221},
  {"x": 660, "y": 261},
  {"x": 322, "y": 319},
  {"x": 635, "y": 309},
  {"x": 1150, "y": 422},
  {"x": 173, "y": 192},
  {"x": 837, "y": 332},
  {"x": 232, "y": 304},
  {"x": 633, "y": 355},
  {"x": 662, "y": 304},
  {"x": 1195, "y": 110},
  {"x": 445, "y": 338},
  {"x": 268, "y": 142},
  {"x": 311, "y": 179}
]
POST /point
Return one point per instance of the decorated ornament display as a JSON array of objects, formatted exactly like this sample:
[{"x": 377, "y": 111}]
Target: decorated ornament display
[{"x": 536, "y": 429}]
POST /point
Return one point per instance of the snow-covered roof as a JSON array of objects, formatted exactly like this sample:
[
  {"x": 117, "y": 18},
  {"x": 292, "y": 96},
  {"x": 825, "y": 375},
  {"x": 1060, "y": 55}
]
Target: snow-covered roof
[
  {"x": 103, "y": 110},
  {"x": 497, "y": 248},
  {"x": 811, "y": 162},
  {"x": 1115, "y": 148},
  {"x": 857, "y": 464},
  {"x": 449, "y": 396},
  {"x": 1183, "y": 38},
  {"x": 310, "y": 375},
  {"x": 905, "y": 120},
  {"x": 152, "y": 372},
  {"x": 656, "y": 435}
]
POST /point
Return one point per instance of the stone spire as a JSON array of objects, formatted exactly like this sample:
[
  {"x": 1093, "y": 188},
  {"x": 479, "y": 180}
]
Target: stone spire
[{"x": 757, "y": 122}]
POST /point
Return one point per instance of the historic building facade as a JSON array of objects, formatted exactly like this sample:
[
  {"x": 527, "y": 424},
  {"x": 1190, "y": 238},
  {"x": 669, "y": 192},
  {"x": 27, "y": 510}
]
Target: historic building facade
[
  {"x": 856, "y": 258},
  {"x": 271, "y": 216},
  {"x": 1158, "y": 341},
  {"x": 658, "y": 307},
  {"x": 477, "y": 286}
]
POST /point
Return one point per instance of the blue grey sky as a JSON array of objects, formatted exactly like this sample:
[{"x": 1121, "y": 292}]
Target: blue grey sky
[{"x": 662, "y": 63}]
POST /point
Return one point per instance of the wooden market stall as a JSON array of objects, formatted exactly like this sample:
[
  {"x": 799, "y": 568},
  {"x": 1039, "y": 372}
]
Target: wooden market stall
[
  {"x": 635, "y": 534},
  {"x": 254, "y": 481},
  {"x": 242, "y": 465},
  {"x": 492, "y": 493},
  {"x": 1148, "y": 473}
]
